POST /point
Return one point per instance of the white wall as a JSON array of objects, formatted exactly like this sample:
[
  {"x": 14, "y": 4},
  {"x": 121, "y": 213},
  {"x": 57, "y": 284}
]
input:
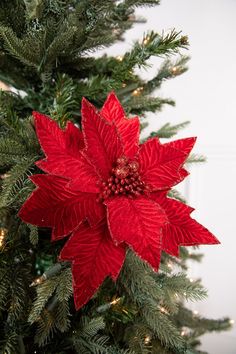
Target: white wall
[{"x": 206, "y": 96}]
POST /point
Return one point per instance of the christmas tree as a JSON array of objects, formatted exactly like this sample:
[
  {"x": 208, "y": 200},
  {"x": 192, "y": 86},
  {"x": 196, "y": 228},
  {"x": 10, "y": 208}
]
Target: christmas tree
[{"x": 47, "y": 66}]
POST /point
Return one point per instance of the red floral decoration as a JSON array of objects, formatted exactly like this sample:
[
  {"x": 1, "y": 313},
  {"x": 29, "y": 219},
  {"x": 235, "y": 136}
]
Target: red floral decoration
[{"x": 108, "y": 193}]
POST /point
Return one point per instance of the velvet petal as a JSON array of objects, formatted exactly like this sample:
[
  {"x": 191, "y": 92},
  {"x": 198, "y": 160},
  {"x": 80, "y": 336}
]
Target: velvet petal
[
  {"x": 181, "y": 229},
  {"x": 161, "y": 165},
  {"x": 63, "y": 154},
  {"x": 102, "y": 141},
  {"x": 138, "y": 223},
  {"x": 128, "y": 129},
  {"x": 94, "y": 257},
  {"x": 54, "y": 205}
]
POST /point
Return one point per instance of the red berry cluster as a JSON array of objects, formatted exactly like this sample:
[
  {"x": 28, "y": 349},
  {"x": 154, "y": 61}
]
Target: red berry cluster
[{"x": 124, "y": 180}]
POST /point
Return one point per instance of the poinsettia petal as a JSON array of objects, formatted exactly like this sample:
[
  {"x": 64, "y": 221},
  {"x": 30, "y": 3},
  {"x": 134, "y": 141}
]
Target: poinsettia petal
[
  {"x": 181, "y": 230},
  {"x": 54, "y": 205},
  {"x": 138, "y": 223},
  {"x": 129, "y": 133},
  {"x": 94, "y": 258},
  {"x": 49, "y": 134},
  {"x": 74, "y": 138},
  {"x": 71, "y": 138},
  {"x": 102, "y": 141},
  {"x": 160, "y": 165},
  {"x": 112, "y": 110},
  {"x": 128, "y": 129},
  {"x": 185, "y": 145},
  {"x": 63, "y": 154},
  {"x": 80, "y": 171}
]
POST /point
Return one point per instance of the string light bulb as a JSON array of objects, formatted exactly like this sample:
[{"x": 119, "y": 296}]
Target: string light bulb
[
  {"x": 116, "y": 31},
  {"x": 115, "y": 301},
  {"x": 137, "y": 91},
  {"x": 231, "y": 322},
  {"x": 119, "y": 58},
  {"x": 107, "y": 306},
  {"x": 132, "y": 18},
  {"x": 146, "y": 40},
  {"x": 175, "y": 70},
  {"x": 195, "y": 312},
  {"x": 3, "y": 233},
  {"x": 147, "y": 339},
  {"x": 163, "y": 310},
  {"x": 38, "y": 280},
  {"x": 183, "y": 333},
  {"x": 5, "y": 175},
  {"x": 184, "y": 40}
]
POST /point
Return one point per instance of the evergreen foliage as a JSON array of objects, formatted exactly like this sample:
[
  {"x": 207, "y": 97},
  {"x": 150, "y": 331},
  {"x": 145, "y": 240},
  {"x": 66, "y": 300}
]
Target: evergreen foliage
[{"x": 46, "y": 56}]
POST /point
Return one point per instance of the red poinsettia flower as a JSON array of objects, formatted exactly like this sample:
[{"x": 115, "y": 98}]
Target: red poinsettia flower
[{"x": 109, "y": 193}]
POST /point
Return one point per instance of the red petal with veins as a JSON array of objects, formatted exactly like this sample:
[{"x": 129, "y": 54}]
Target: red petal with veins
[
  {"x": 54, "y": 205},
  {"x": 63, "y": 154},
  {"x": 74, "y": 138},
  {"x": 112, "y": 110},
  {"x": 103, "y": 144},
  {"x": 129, "y": 133},
  {"x": 181, "y": 229},
  {"x": 138, "y": 223},
  {"x": 128, "y": 129},
  {"x": 160, "y": 165},
  {"x": 70, "y": 139},
  {"x": 185, "y": 145},
  {"x": 94, "y": 258}
]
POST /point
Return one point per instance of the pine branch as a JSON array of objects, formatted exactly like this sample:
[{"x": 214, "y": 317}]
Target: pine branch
[
  {"x": 195, "y": 158},
  {"x": 152, "y": 45},
  {"x": 65, "y": 102},
  {"x": 44, "y": 292},
  {"x": 133, "y": 3},
  {"x": 16, "y": 181},
  {"x": 135, "y": 337},
  {"x": 136, "y": 105},
  {"x": 34, "y": 9},
  {"x": 87, "y": 339},
  {"x": 10, "y": 344},
  {"x": 61, "y": 314},
  {"x": 116, "y": 350},
  {"x": 19, "y": 290},
  {"x": 168, "y": 70},
  {"x": 168, "y": 130},
  {"x": 50, "y": 309},
  {"x": 45, "y": 328},
  {"x": 27, "y": 50},
  {"x": 201, "y": 324},
  {"x": 163, "y": 328},
  {"x": 4, "y": 287},
  {"x": 179, "y": 284},
  {"x": 60, "y": 44},
  {"x": 64, "y": 288},
  {"x": 187, "y": 254},
  {"x": 11, "y": 151},
  {"x": 33, "y": 236},
  {"x": 146, "y": 293},
  {"x": 173, "y": 193}
]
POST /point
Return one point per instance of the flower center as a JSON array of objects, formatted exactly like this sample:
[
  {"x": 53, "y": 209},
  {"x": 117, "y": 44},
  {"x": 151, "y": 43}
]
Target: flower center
[{"x": 124, "y": 180}]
